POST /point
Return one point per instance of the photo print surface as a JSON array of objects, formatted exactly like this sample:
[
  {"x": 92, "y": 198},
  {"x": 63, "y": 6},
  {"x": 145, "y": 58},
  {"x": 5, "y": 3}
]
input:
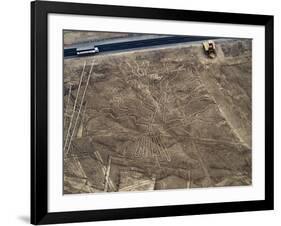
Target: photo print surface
[{"x": 155, "y": 112}]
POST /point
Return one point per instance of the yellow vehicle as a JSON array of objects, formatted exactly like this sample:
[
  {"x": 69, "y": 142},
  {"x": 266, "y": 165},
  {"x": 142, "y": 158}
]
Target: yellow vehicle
[{"x": 210, "y": 48}]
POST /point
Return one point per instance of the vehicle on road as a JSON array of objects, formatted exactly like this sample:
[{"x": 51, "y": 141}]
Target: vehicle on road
[{"x": 87, "y": 51}]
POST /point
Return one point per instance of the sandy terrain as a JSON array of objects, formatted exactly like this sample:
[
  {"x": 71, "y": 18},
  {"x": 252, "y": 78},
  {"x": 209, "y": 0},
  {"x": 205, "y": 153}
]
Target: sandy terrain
[
  {"x": 158, "y": 119},
  {"x": 71, "y": 37}
]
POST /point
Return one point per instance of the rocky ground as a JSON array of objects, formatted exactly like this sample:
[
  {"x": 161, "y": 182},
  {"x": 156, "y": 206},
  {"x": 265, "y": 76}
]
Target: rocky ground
[
  {"x": 72, "y": 37},
  {"x": 152, "y": 119}
]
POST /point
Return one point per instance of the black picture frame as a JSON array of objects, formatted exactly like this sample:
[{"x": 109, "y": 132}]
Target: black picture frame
[{"x": 39, "y": 112}]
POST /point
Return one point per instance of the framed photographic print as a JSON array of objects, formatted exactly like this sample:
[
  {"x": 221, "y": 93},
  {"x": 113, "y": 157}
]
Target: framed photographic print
[{"x": 145, "y": 112}]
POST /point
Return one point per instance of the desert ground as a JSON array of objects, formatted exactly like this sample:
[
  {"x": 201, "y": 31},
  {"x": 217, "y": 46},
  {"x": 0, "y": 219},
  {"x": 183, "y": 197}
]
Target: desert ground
[
  {"x": 158, "y": 118},
  {"x": 71, "y": 37}
]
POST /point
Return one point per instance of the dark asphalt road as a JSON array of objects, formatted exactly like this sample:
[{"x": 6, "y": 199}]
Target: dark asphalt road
[{"x": 127, "y": 45}]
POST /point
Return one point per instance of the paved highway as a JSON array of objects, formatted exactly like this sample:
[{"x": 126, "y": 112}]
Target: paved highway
[{"x": 132, "y": 44}]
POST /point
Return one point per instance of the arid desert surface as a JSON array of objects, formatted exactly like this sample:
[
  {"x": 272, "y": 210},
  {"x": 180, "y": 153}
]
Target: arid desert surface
[{"x": 158, "y": 118}]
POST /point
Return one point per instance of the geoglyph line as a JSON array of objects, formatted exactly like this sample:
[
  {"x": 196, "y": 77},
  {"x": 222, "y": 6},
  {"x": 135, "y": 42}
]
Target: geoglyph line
[
  {"x": 74, "y": 106},
  {"x": 80, "y": 107}
]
